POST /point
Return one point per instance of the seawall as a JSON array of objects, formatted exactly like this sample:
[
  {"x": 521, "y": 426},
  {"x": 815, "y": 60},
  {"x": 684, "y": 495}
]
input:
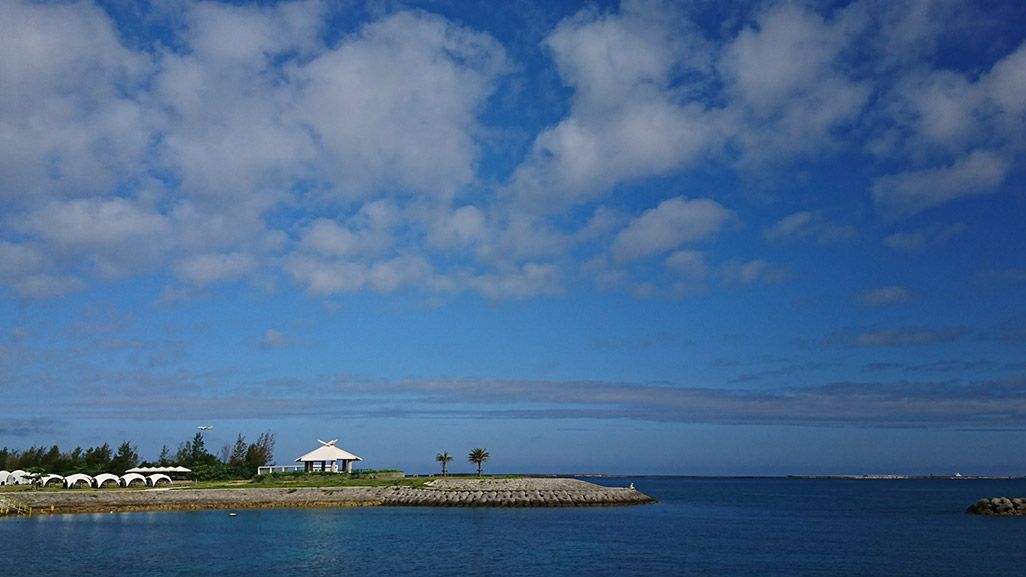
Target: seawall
[{"x": 438, "y": 493}]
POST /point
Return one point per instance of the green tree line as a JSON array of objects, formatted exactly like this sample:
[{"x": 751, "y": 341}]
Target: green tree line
[{"x": 239, "y": 460}]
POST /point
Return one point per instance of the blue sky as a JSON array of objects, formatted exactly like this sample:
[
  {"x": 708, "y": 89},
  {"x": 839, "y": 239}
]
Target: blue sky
[{"x": 637, "y": 237}]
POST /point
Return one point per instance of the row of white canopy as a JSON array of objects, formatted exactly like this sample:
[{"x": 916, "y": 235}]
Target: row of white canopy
[
  {"x": 165, "y": 470},
  {"x": 20, "y": 477}
]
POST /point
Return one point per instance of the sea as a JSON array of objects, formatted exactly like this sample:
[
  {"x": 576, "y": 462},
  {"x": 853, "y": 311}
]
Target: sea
[{"x": 700, "y": 526}]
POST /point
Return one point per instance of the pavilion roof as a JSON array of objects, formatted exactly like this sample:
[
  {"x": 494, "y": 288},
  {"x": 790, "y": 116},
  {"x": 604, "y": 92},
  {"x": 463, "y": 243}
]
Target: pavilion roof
[{"x": 328, "y": 452}]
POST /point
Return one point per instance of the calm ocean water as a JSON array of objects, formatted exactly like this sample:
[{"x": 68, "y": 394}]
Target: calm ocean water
[{"x": 729, "y": 527}]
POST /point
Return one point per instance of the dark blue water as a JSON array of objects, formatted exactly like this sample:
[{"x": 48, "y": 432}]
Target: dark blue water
[{"x": 730, "y": 527}]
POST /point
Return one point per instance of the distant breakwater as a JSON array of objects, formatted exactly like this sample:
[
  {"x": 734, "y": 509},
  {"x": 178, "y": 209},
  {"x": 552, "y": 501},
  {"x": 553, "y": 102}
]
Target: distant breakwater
[
  {"x": 439, "y": 493},
  {"x": 1004, "y": 506}
]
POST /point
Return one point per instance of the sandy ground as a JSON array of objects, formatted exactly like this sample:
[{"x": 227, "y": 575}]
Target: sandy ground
[{"x": 440, "y": 493}]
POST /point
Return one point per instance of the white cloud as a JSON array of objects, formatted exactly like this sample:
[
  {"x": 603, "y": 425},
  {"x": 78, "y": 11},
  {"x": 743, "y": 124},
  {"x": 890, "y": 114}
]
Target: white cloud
[
  {"x": 226, "y": 102},
  {"x": 886, "y": 296},
  {"x": 328, "y": 238},
  {"x": 790, "y": 87},
  {"x": 917, "y": 190},
  {"x": 118, "y": 236},
  {"x": 206, "y": 269},
  {"x": 674, "y": 222},
  {"x": 457, "y": 228},
  {"x": 919, "y": 239},
  {"x": 809, "y": 224},
  {"x": 628, "y": 121},
  {"x": 964, "y": 134},
  {"x": 71, "y": 123},
  {"x": 530, "y": 279},
  {"x": 19, "y": 258},
  {"x": 1006, "y": 82},
  {"x": 26, "y": 268},
  {"x": 92, "y": 223},
  {"x": 320, "y": 276},
  {"x": 247, "y": 141},
  {"x": 690, "y": 270},
  {"x": 43, "y": 286},
  {"x": 324, "y": 277},
  {"x": 910, "y": 30},
  {"x": 749, "y": 272},
  {"x": 395, "y": 105},
  {"x": 688, "y": 263}
]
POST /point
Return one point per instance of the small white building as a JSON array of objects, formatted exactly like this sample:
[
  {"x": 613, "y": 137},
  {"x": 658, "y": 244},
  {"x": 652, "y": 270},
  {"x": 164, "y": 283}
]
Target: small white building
[{"x": 327, "y": 458}]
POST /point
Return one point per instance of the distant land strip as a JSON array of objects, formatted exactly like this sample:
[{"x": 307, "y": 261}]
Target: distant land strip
[{"x": 522, "y": 492}]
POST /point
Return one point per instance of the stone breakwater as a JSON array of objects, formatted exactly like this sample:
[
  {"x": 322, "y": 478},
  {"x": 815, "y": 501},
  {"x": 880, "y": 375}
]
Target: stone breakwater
[
  {"x": 514, "y": 493},
  {"x": 1006, "y": 506},
  {"x": 438, "y": 493}
]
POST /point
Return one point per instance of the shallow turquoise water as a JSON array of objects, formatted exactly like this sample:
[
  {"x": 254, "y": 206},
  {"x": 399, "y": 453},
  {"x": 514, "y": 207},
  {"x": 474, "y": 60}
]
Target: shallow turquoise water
[{"x": 740, "y": 527}]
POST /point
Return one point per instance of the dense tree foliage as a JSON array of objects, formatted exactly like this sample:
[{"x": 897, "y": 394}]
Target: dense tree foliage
[
  {"x": 92, "y": 461},
  {"x": 240, "y": 462}
]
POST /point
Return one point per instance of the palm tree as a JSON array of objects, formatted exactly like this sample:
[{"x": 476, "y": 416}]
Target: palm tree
[
  {"x": 444, "y": 459},
  {"x": 478, "y": 456}
]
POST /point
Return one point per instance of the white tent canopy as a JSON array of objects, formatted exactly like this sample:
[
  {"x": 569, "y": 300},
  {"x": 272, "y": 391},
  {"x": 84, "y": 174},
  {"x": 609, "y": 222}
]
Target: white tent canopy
[
  {"x": 71, "y": 480},
  {"x": 99, "y": 480},
  {"x": 164, "y": 470},
  {"x": 49, "y": 479},
  {"x": 328, "y": 455},
  {"x": 128, "y": 478},
  {"x": 155, "y": 478}
]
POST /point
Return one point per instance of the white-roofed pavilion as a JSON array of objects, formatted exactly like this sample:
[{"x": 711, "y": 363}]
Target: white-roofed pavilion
[{"x": 327, "y": 458}]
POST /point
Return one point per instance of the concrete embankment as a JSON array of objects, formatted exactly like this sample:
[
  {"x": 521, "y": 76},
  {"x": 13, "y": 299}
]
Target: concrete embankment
[
  {"x": 1005, "y": 506},
  {"x": 439, "y": 493}
]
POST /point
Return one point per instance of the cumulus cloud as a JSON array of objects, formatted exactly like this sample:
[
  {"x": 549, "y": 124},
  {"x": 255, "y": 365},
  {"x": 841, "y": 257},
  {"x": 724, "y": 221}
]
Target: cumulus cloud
[
  {"x": 688, "y": 263},
  {"x": 72, "y": 122},
  {"x": 24, "y": 267},
  {"x": 627, "y": 121},
  {"x": 527, "y": 280},
  {"x": 966, "y": 133},
  {"x": 119, "y": 236},
  {"x": 205, "y": 269},
  {"x": 787, "y": 74},
  {"x": 251, "y": 142},
  {"x": 395, "y": 106},
  {"x": 674, "y": 222},
  {"x": 914, "y": 191},
  {"x": 325, "y": 277}
]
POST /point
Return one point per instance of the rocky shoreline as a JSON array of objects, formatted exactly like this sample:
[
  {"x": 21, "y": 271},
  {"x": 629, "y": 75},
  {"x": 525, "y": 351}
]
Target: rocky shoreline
[
  {"x": 439, "y": 493},
  {"x": 1004, "y": 506}
]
